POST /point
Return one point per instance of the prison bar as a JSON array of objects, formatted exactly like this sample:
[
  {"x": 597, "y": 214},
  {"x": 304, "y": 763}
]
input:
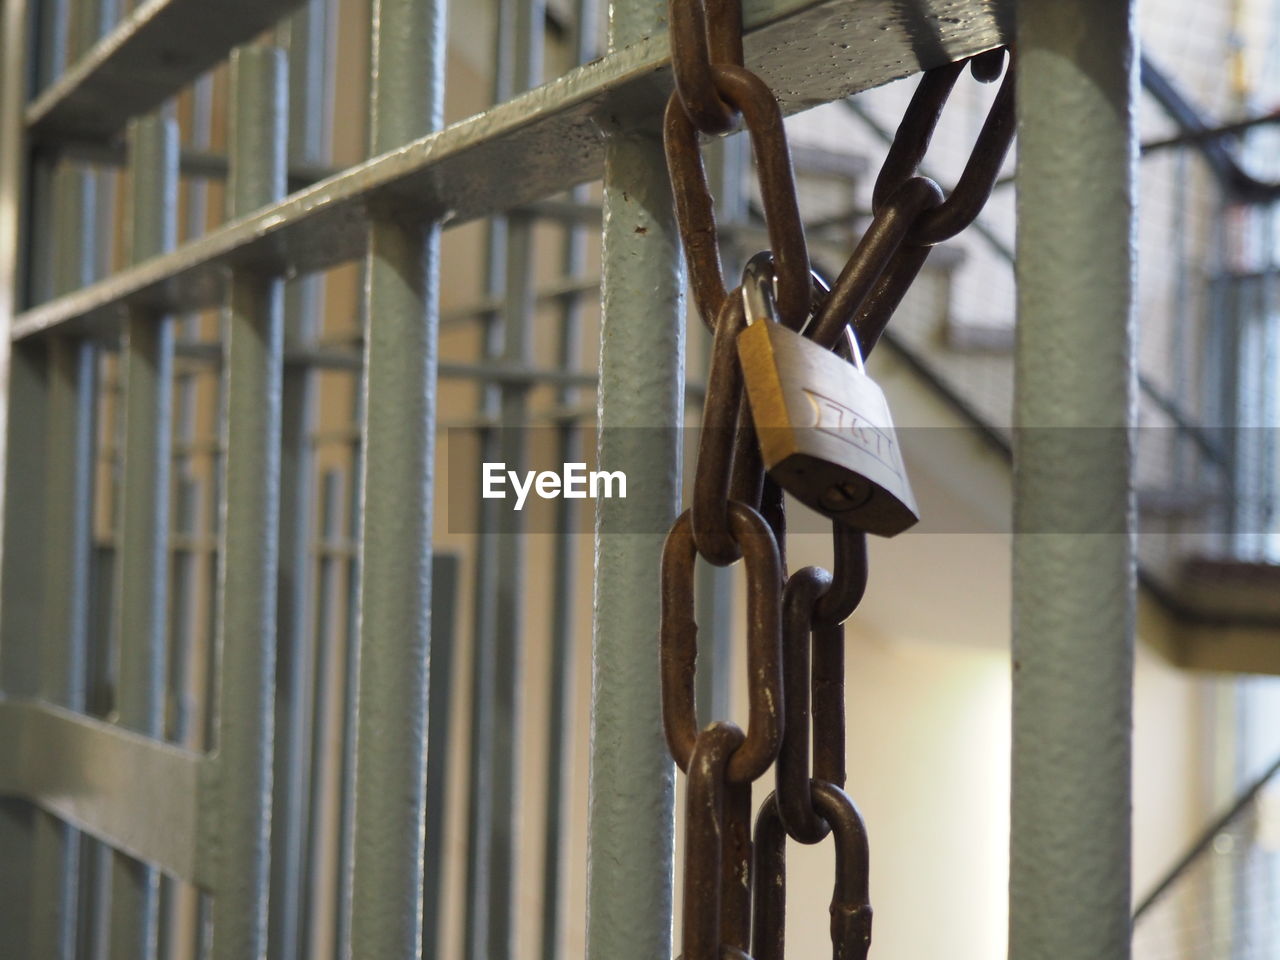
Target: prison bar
[
  {"x": 402, "y": 316},
  {"x": 642, "y": 347},
  {"x": 1073, "y": 560},
  {"x": 399, "y": 395},
  {"x": 142, "y": 559},
  {"x": 305, "y": 37}
]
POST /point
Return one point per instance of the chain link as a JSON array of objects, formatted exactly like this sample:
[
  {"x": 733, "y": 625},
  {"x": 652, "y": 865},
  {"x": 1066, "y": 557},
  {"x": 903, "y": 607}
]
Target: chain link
[
  {"x": 795, "y": 633},
  {"x": 695, "y": 213}
]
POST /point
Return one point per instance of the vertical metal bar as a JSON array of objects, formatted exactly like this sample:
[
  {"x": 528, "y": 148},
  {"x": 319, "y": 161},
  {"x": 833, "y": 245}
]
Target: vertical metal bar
[
  {"x": 329, "y": 630},
  {"x": 52, "y": 39},
  {"x": 497, "y": 652},
  {"x": 488, "y": 584},
  {"x": 402, "y": 310},
  {"x": 92, "y": 19},
  {"x": 305, "y": 33},
  {"x": 187, "y": 565},
  {"x": 351, "y": 673},
  {"x": 484, "y": 639},
  {"x": 67, "y": 537},
  {"x": 84, "y": 24},
  {"x": 22, "y": 373},
  {"x": 1073, "y": 559},
  {"x": 444, "y": 639},
  {"x": 143, "y": 531},
  {"x": 563, "y": 579},
  {"x": 630, "y": 818},
  {"x": 252, "y": 367}
]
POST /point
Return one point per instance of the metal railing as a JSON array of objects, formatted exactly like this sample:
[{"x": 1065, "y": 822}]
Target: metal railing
[{"x": 170, "y": 670}]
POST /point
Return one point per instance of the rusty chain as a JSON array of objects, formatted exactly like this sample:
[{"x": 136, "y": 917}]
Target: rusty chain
[{"x": 794, "y": 625}]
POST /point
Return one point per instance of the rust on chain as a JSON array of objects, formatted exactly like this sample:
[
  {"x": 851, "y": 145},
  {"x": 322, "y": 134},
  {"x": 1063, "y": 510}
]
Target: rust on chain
[
  {"x": 849, "y": 576},
  {"x": 704, "y": 33},
  {"x": 911, "y": 142},
  {"x": 718, "y": 441},
  {"x": 827, "y": 688},
  {"x": 695, "y": 213},
  {"x": 747, "y": 482},
  {"x": 678, "y": 642},
  {"x": 886, "y": 296},
  {"x": 752, "y": 486},
  {"x": 888, "y": 231},
  {"x": 849, "y": 566},
  {"x": 704, "y": 839},
  {"x": 850, "y": 899},
  {"x": 736, "y": 868},
  {"x": 799, "y": 598}
]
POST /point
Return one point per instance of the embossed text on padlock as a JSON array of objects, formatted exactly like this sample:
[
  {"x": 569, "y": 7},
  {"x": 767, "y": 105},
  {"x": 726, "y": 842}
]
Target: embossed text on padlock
[{"x": 824, "y": 427}]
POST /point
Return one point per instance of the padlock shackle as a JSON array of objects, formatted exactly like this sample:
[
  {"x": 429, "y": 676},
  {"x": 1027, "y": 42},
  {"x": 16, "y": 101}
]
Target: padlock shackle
[{"x": 759, "y": 283}]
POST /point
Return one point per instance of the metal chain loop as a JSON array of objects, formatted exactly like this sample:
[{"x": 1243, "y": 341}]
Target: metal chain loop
[
  {"x": 850, "y": 900},
  {"x": 910, "y": 213},
  {"x": 678, "y": 642},
  {"x": 718, "y": 443},
  {"x": 792, "y": 770},
  {"x": 704, "y": 33},
  {"x": 911, "y": 142},
  {"x": 707, "y": 805},
  {"x": 695, "y": 214},
  {"x": 888, "y": 232}
]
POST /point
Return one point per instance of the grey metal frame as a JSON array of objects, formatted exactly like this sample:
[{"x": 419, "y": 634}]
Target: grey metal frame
[{"x": 206, "y": 818}]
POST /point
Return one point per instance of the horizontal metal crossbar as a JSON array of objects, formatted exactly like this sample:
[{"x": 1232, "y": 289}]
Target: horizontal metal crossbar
[
  {"x": 810, "y": 52},
  {"x": 133, "y": 793},
  {"x": 155, "y": 51}
]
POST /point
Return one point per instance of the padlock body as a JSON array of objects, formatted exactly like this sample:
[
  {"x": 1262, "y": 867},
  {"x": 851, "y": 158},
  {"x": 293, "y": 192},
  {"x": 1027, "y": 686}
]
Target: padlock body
[{"x": 825, "y": 432}]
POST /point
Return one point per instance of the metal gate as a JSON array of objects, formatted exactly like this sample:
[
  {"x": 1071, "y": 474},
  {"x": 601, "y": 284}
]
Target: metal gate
[{"x": 132, "y": 827}]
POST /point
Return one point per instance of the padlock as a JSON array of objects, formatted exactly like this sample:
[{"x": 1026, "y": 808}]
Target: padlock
[{"x": 823, "y": 425}]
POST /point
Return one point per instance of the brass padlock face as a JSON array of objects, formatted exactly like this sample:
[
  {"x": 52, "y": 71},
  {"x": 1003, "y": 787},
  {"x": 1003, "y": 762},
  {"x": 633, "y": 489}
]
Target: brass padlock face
[{"x": 825, "y": 432}]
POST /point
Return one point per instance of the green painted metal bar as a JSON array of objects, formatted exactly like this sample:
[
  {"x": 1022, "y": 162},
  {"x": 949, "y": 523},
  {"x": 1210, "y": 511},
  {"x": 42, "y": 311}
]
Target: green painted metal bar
[
  {"x": 402, "y": 317},
  {"x": 66, "y": 531},
  {"x": 642, "y": 347},
  {"x": 484, "y": 638},
  {"x": 185, "y": 727},
  {"x": 1073, "y": 548},
  {"x": 445, "y": 585},
  {"x": 497, "y": 652},
  {"x": 328, "y": 649},
  {"x": 564, "y": 587},
  {"x": 52, "y": 39},
  {"x": 305, "y": 35},
  {"x": 350, "y": 679},
  {"x": 249, "y": 507},
  {"x": 146, "y": 365},
  {"x": 23, "y": 372}
]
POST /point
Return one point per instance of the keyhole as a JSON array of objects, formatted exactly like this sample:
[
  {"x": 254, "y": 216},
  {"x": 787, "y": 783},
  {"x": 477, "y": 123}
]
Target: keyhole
[{"x": 848, "y": 495}]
